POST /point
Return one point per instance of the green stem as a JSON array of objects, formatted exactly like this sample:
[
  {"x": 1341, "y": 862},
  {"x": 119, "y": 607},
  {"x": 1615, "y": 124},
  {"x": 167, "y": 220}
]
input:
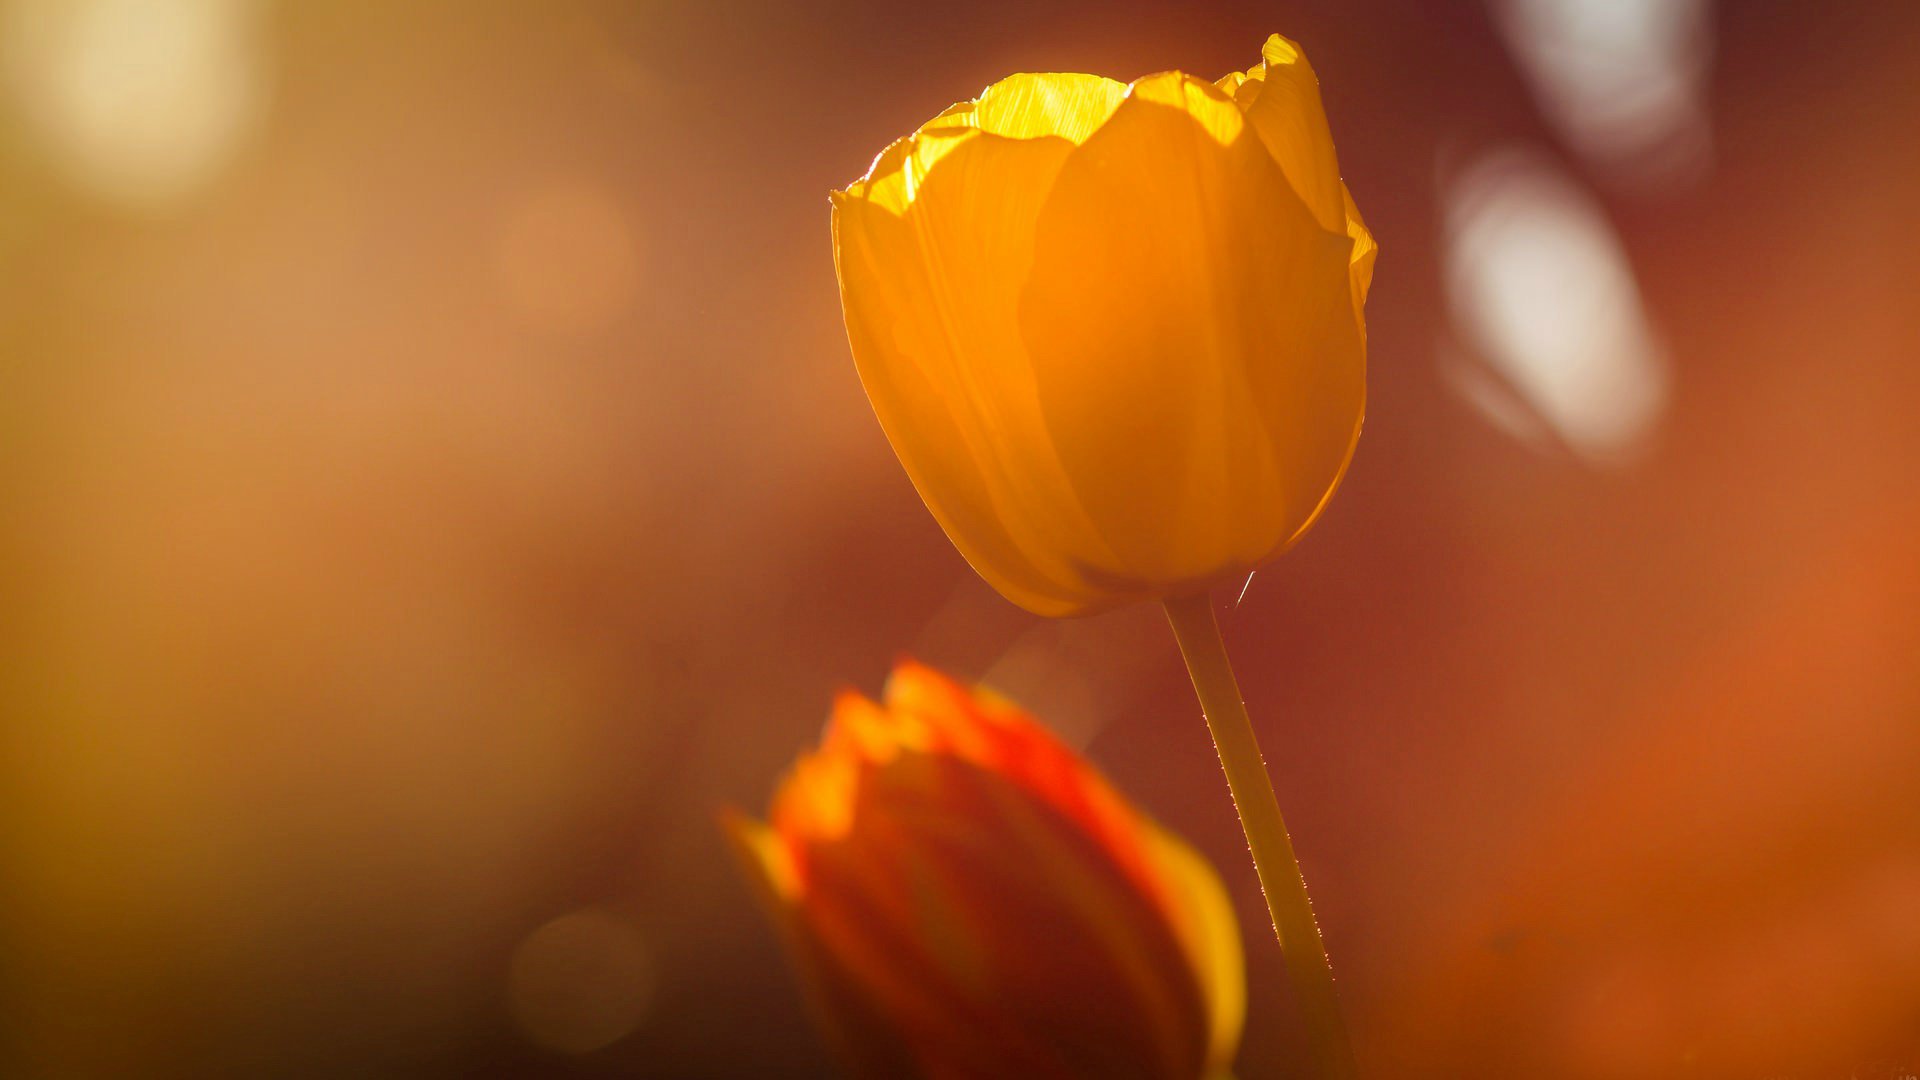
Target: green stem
[{"x": 1273, "y": 859}]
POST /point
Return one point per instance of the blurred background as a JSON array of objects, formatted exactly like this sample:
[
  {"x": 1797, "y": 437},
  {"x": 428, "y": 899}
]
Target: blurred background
[{"x": 434, "y": 482}]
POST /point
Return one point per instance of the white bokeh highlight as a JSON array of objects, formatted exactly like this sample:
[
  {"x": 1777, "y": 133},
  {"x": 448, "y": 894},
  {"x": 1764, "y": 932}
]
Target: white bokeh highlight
[
  {"x": 1542, "y": 294},
  {"x": 138, "y": 102},
  {"x": 1622, "y": 80}
]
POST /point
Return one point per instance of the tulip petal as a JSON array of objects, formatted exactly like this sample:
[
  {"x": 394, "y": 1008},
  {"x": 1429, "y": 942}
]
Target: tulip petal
[
  {"x": 893, "y": 181},
  {"x": 816, "y": 799},
  {"x": 1008, "y": 898},
  {"x": 856, "y": 1032},
  {"x": 1027, "y": 106},
  {"x": 1097, "y": 325},
  {"x": 1203, "y": 918},
  {"x": 991, "y": 907},
  {"x": 763, "y": 853},
  {"x": 1202, "y": 389},
  {"x": 997, "y": 735},
  {"x": 1281, "y": 99},
  {"x": 1202, "y": 102},
  {"x": 1361, "y": 262},
  {"x": 930, "y": 259},
  {"x": 988, "y": 731}
]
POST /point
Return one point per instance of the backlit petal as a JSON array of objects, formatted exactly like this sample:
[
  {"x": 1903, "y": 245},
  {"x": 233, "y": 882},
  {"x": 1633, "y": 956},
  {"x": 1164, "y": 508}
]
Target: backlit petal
[
  {"x": 765, "y": 857},
  {"x": 992, "y": 906},
  {"x": 1000, "y": 736},
  {"x": 1203, "y": 917},
  {"x": 930, "y": 296},
  {"x": 1281, "y": 99},
  {"x": 1116, "y": 335},
  {"x": 1364, "y": 251},
  {"x": 859, "y": 1034},
  {"x": 1069, "y": 106},
  {"x": 1193, "y": 344},
  {"x": 1202, "y": 102}
]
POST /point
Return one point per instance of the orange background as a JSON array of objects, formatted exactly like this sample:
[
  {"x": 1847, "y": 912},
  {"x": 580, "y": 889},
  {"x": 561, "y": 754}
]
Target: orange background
[{"x": 419, "y": 528}]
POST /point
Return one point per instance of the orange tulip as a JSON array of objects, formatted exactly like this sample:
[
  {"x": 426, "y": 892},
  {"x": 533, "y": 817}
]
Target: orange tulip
[
  {"x": 967, "y": 897},
  {"x": 1114, "y": 332}
]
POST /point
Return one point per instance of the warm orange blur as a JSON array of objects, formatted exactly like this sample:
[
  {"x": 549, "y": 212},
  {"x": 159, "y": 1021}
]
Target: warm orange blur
[
  {"x": 436, "y": 479},
  {"x": 966, "y": 896}
]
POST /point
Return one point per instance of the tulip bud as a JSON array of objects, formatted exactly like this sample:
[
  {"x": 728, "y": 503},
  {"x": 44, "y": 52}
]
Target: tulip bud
[
  {"x": 1114, "y": 332},
  {"x": 966, "y": 897}
]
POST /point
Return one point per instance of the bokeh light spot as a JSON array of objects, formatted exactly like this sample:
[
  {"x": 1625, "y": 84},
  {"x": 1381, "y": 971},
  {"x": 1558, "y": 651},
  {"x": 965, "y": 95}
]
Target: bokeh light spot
[
  {"x": 139, "y": 101},
  {"x": 581, "y": 982},
  {"x": 565, "y": 260},
  {"x": 1623, "y": 81},
  {"x": 1541, "y": 290}
]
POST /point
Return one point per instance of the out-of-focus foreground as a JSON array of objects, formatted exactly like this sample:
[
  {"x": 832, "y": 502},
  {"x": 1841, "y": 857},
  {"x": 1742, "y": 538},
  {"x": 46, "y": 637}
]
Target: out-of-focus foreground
[{"x": 435, "y": 481}]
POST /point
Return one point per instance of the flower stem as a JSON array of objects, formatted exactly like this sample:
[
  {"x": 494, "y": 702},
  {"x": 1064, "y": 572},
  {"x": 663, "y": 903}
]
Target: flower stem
[{"x": 1273, "y": 859}]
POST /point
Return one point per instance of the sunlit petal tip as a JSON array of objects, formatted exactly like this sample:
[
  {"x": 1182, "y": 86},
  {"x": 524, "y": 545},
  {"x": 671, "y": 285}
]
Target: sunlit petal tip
[
  {"x": 884, "y": 164},
  {"x": 860, "y": 728},
  {"x": 848, "y": 702},
  {"x": 955, "y": 116},
  {"x": 1209, "y": 105},
  {"x": 815, "y": 800},
  {"x": 1038, "y": 105},
  {"x": 1281, "y": 99},
  {"x": 909, "y": 679},
  {"x": 1280, "y": 50},
  {"x": 896, "y": 177},
  {"x": 943, "y": 715},
  {"x": 763, "y": 855}
]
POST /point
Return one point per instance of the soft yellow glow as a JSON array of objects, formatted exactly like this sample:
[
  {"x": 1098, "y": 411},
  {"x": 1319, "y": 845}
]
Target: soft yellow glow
[
  {"x": 1068, "y": 106},
  {"x": 1117, "y": 341},
  {"x": 141, "y": 101}
]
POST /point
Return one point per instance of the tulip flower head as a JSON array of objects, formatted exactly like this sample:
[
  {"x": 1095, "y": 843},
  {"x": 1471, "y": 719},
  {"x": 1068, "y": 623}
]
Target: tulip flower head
[
  {"x": 1113, "y": 331},
  {"x": 969, "y": 898}
]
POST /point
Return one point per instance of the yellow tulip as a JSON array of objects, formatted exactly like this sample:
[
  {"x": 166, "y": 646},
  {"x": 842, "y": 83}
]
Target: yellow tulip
[
  {"x": 969, "y": 898},
  {"x": 1114, "y": 332}
]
